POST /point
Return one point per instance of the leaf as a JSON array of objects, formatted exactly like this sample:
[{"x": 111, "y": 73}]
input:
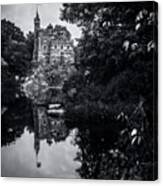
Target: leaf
[
  {"x": 134, "y": 132},
  {"x": 133, "y": 140}
]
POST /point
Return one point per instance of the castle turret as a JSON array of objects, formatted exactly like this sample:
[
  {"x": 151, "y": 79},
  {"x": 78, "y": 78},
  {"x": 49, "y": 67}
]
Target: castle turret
[
  {"x": 36, "y": 36},
  {"x": 37, "y": 22}
]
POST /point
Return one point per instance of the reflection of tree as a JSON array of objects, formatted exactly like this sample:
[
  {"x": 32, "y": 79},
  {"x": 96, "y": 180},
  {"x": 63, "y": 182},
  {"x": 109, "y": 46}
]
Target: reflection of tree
[
  {"x": 94, "y": 147},
  {"x": 109, "y": 153},
  {"x": 94, "y": 139},
  {"x": 15, "y": 119}
]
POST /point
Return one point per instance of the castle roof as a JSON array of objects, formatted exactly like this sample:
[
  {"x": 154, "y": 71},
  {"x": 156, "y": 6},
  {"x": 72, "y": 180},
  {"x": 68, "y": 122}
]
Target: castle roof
[{"x": 37, "y": 15}]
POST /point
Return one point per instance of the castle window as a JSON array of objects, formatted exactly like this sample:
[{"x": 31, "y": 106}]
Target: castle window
[
  {"x": 68, "y": 47},
  {"x": 44, "y": 47},
  {"x": 61, "y": 46},
  {"x": 55, "y": 46}
]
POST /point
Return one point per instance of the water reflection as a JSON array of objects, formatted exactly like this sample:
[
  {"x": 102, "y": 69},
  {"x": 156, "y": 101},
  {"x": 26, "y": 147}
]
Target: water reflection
[
  {"x": 39, "y": 140},
  {"x": 51, "y": 129},
  {"x": 56, "y": 160},
  {"x": 95, "y": 143},
  {"x": 17, "y": 116},
  {"x": 36, "y": 143}
]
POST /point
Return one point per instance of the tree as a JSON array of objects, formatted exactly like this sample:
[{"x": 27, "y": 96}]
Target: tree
[
  {"x": 15, "y": 49},
  {"x": 30, "y": 43},
  {"x": 117, "y": 64},
  {"x": 17, "y": 54}
]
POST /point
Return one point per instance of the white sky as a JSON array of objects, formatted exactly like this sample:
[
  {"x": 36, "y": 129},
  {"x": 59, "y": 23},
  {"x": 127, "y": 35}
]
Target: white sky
[{"x": 23, "y": 14}]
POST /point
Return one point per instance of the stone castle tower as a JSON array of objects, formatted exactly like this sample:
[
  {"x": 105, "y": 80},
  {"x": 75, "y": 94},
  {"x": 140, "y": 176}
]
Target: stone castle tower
[{"x": 52, "y": 43}]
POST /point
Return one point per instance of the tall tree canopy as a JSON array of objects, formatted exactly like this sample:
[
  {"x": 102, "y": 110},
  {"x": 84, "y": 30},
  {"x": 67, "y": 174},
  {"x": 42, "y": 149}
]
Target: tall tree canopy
[
  {"x": 117, "y": 62},
  {"x": 15, "y": 48},
  {"x": 16, "y": 51}
]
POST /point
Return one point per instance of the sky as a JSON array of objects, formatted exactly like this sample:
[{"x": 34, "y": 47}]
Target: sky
[{"x": 23, "y": 14}]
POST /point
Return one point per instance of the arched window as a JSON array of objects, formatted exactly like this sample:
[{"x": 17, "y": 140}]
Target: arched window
[
  {"x": 44, "y": 47},
  {"x": 68, "y": 47},
  {"x": 61, "y": 46}
]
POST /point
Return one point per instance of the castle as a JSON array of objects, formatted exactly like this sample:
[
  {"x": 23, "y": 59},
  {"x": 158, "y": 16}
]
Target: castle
[{"x": 52, "y": 44}]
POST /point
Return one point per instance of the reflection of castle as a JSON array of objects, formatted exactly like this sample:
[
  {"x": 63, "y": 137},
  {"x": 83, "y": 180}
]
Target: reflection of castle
[
  {"x": 47, "y": 128},
  {"x": 52, "y": 44}
]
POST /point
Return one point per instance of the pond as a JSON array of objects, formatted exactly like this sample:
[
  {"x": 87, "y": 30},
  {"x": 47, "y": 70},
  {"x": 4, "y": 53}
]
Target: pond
[
  {"x": 20, "y": 158},
  {"x": 39, "y": 140},
  {"x": 35, "y": 144}
]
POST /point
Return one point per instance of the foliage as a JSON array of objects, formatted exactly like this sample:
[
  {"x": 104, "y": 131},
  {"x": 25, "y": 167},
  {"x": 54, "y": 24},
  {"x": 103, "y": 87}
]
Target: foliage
[
  {"x": 9, "y": 87},
  {"x": 116, "y": 65},
  {"x": 17, "y": 54},
  {"x": 14, "y": 49},
  {"x": 30, "y": 43}
]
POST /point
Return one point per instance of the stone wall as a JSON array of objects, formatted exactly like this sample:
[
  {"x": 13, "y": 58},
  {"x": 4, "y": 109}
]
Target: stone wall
[{"x": 55, "y": 45}]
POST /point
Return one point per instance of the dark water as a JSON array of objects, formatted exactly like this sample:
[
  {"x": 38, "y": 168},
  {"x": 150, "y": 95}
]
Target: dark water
[{"x": 36, "y": 143}]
